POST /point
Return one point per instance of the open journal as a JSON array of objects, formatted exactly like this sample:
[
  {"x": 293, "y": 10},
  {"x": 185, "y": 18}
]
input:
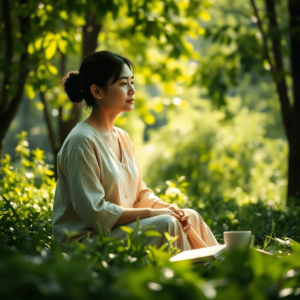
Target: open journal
[
  {"x": 202, "y": 254},
  {"x": 206, "y": 254}
]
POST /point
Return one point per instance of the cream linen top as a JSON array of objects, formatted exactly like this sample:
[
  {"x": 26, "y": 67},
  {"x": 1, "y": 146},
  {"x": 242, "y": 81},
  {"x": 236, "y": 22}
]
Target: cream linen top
[{"x": 93, "y": 185}]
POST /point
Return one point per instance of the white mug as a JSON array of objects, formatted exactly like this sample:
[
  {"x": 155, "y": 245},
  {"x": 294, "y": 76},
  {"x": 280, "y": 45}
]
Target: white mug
[{"x": 237, "y": 239}]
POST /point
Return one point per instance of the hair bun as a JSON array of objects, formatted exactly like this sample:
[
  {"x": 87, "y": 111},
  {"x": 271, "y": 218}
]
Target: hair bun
[{"x": 72, "y": 85}]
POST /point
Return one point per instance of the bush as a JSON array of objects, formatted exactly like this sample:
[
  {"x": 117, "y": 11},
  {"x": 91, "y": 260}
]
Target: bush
[
  {"x": 233, "y": 160},
  {"x": 32, "y": 266}
]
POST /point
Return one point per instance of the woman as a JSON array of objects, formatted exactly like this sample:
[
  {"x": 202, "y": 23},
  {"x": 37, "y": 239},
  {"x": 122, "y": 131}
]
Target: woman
[{"x": 99, "y": 175}]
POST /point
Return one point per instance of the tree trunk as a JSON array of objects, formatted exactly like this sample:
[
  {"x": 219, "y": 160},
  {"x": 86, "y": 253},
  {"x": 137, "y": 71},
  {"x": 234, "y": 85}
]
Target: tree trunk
[
  {"x": 293, "y": 195},
  {"x": 289, "y": 111},
  {"x": 89, "y": 44},
  {"x": 54, "y": 144},
  {"x": 9, "y": 108},
  {"x": 294, "y": 155}
]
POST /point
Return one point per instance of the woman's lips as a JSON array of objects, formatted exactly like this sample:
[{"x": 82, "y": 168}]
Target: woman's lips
[{"x": 130, "y": 101}]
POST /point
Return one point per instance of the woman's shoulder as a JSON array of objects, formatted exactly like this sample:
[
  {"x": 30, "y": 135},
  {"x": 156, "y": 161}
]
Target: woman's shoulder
[
  {"x": 79, "y": 138},
  {"x": 122, "y": 133},
  {"x": 127, "y": 142}
]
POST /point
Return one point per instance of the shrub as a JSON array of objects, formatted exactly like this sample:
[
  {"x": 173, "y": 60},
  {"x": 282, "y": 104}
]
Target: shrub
[{"x": 32, "y": 266}]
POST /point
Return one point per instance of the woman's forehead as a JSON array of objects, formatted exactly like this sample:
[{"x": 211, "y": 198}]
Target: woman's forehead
[{"x": 126, "y": 71}]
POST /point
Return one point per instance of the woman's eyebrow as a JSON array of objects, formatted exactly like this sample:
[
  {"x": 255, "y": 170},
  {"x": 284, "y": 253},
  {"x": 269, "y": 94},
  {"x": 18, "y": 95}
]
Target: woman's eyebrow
[{"x": 124, "y": 77}]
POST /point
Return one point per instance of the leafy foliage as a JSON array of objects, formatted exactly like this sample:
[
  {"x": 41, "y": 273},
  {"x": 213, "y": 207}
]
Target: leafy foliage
[
  {"x": 232, "y": 160},
  {"x": 33, "y": 266}
]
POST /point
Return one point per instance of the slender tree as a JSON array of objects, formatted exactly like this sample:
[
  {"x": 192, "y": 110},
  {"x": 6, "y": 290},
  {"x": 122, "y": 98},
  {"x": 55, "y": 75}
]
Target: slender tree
[
  {"x": 90, "y": 34},
  {"x": 262, "y": 53},
  {"x": 145, "y": 25},
  {"x": 11, "y": 99}
]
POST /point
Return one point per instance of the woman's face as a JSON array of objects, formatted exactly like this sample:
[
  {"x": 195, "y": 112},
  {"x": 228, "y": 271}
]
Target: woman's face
[{"x": 120, "y": 92}]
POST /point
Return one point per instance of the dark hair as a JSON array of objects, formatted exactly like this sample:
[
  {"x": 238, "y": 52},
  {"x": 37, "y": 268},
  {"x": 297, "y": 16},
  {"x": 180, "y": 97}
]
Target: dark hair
[{"x": 97, "y": 68}]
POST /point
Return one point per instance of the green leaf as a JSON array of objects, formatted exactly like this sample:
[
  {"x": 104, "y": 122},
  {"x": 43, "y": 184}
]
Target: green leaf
[
  {"x": 149, "y": 119},
  {"x": 49, "y": 7},
  {"x": 38, "y": 154},
  {"x": 52, "y": 69},
  {"x": 29, "y": 91},
  {"x": 168, "y": 237},
  {"x": 51, "y": 50},
  {"x": 16, "y": 215},
  {"x": 127, "y": 229},
  {"x": 49, "y": 172},
  {"x": 205, "y": 16},
  {"x": 62, "y": 45},
  {"x": 64, "y": 15},
  {"x": 152, "y": 233},
  {"x": 39, "y": 106},
  {"x": 170, "y": 183},
  {"x": 30, "y": 48},
  {"x": 163, "y": 247},
  {"x": 38, "y": 43},
  {"x": 137, "y": 224}
]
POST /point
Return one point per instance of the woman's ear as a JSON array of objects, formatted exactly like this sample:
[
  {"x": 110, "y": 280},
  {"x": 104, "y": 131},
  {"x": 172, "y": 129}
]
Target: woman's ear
[{"x": 95, "y": 90}]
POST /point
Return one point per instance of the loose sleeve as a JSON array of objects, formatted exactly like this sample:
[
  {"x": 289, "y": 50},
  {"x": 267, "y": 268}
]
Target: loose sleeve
[
  {"x": 86, "y": 191},
  {"x": 145, "y": 196}
]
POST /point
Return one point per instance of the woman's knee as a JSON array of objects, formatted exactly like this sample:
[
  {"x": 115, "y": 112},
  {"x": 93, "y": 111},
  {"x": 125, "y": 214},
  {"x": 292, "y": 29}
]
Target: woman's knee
[
  {"x": 167, "y": 221},
  {"x": 194, "y": 215}
]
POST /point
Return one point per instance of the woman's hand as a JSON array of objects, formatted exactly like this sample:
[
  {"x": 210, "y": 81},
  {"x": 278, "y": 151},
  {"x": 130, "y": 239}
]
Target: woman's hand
[
  {"x": 172, "y": 210},
  {"x": 164, "y": 211},
  {"x": 184, "y": 218}
]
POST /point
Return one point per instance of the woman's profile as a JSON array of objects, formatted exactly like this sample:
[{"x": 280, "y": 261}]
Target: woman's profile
[{"x": 100, "y": 180}]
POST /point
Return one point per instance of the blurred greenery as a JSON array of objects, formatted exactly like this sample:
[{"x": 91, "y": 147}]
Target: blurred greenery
[{"x": 234, "y": 160}]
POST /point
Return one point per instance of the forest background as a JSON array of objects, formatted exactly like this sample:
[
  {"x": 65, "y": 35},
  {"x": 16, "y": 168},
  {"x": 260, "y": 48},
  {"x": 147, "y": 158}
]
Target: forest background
[{"x": 211, "y": 124}]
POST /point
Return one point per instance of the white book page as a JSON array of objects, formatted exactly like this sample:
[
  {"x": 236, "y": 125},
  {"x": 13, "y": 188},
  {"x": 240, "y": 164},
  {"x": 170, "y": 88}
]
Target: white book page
[{"x": 198, "y": 253}]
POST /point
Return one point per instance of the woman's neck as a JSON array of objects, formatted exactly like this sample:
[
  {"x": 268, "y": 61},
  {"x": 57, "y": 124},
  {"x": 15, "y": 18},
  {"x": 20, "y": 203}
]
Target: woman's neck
[{"x": 102, "y": 121}]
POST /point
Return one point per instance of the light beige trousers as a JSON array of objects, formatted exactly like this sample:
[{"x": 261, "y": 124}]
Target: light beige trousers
[{"x": 199, "y": 237}]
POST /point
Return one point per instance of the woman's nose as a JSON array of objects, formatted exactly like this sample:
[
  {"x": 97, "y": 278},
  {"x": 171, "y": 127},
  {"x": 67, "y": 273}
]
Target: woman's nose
[{"x": 132, "y": 90}]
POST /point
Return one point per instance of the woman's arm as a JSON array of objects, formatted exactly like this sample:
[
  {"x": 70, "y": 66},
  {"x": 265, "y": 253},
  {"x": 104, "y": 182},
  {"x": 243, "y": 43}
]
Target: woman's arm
[
  {"x": 184, "y": 216},
  {"x": 131, "y": 214},
  {"x": 160, "y": 204}
]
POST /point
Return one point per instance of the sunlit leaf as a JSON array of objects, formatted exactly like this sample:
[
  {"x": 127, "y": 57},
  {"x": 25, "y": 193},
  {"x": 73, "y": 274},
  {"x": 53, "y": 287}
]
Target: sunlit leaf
[
  {"x": 127, "y": 229},
  {"x": 158, "y": 107},
  {"x": 39, "y": 106},
  {"x": 149, "y": 119},
  {"x": 62, "y": 45},
  {"x": 205, "y": 16},
  {"x": 149, "y": 233},
  {"x": 52, "y": 69},
  {"x": 49, "y": 172},
  {"x": 168, "y": 237},
  {"x": 29, "y": 91},
  {"x": 30, "y": 48},
  {"x": 51, "y": 50},
  {"x": 64, "y": 15},
  {"x": 49, "y": 7},
  {"x": 38, "y": 43}
]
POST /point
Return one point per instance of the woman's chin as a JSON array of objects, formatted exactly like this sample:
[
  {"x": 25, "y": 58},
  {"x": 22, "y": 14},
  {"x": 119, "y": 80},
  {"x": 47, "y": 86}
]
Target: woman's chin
[{"x": 129, "y": 107}]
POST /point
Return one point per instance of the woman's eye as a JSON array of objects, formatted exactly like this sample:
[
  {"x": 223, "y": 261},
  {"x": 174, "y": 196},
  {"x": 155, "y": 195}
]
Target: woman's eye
[{"x": 126, "y": 83}]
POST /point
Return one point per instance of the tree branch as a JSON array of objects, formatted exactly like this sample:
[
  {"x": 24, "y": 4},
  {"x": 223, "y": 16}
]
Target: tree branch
[
  {"x": 263, "y": 35},
  {"x": 279, "y": 73},
  {"x": 49, "y": 124},
  {"x": 90, "y": 34},
  {"x": 8, "y": 55}
]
